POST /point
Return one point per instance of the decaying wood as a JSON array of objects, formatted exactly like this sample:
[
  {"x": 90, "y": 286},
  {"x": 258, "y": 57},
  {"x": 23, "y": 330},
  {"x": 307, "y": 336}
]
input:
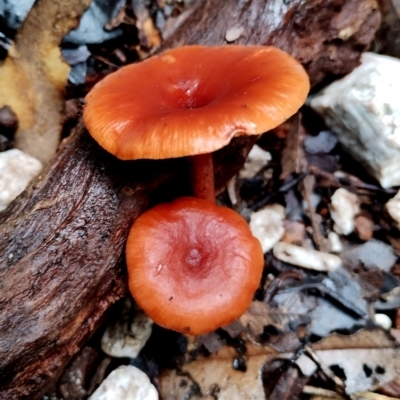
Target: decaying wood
[
  {"x": 325, "y": 36},
  {"x": 61, "y": 242}
]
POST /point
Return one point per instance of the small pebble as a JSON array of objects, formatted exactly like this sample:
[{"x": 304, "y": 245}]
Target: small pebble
[
  {"x": 234, "y": 33},
  {"x": 126, "y": 383},
  {"x": 383, "y": 320},
  {"x": 128, "y": 335},
  {"x": 393, "y": 209},
  {"x": 336, "y": 245},
  {"x": 306, "y": 258},
  {"x": 267, "y": 225},
  {"x": 17, "y": 170},
  {"x": 257, "y": 159},
  {"x": 344, "y": 207}
]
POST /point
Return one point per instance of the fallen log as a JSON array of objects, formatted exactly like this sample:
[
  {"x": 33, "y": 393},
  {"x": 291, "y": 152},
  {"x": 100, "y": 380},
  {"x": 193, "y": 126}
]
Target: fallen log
[
  {"x": 327, "y": 37},
  {"x": 62, "y": 240}
]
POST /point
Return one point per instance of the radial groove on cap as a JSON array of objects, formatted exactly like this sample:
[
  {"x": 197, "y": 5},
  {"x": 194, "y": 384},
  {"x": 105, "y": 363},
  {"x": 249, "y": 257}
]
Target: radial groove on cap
[
  {"x": 193, "y": 266},
  {"x": 193, "y": 100}
]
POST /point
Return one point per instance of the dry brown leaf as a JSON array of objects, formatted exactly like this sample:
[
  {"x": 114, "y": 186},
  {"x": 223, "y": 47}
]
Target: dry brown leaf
[
  {"x": 392, "y": 388},
  {"x": 282, "y": 380},
  {"x": 364, "y": 339},
  {"x": 367, "y": 359},
  {"x": 371, "y": 396},
  {"x": 34, "y": 76},
  {"x": 257, "y": 317},
  {"x": 215, "y": 376}
]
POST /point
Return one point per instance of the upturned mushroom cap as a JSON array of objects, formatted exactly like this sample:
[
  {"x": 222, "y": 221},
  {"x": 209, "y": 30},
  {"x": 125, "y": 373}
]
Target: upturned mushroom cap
[
  {"x": 193, "y": 100},
  {"x": 193, "y": 266}
]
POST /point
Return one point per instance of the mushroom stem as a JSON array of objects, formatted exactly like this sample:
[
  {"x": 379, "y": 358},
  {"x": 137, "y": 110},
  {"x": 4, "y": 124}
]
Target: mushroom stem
[{"x": 203, "y": 177}]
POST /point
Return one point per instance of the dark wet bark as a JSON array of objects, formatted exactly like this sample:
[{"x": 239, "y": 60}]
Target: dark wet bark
[{"x": 62, "y": 241}]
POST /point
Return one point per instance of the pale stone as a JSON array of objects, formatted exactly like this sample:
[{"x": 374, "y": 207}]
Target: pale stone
[
  {"x": 234, "y": 33},
  {"x": 17, "y": 169},
  {"x": 336, "y": 245},
  {"x": 393, "y": 209},
  {"x": 127, "y": 383},
  {"x": 267, "y": 225},
  {"x": 127, "y": 337},
  {"x": 383, "y": 321},
  {"x": 343, "y": 208},
  {"x": 363, "y": 109},
  {"x": 306, "y": 258},
  {"x": 256, "y": 159}
]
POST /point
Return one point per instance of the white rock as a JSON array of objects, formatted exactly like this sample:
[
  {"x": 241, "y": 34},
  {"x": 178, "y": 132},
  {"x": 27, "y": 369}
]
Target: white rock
[
  {"x": 336, "y": 245},
  {"x": 306, "y": 258},
  {"x": 267, "y": 225},
  {"x": 363, "y": 108},
  {"x": 393, "y": 209},
  {"x": 234, "y": 33},
  {"x": 383, "y": 320},
  {"x": 256, "y": 159},
  {"x": 17, "y": 169},
  {"x": 126, "y": 337},
  {"x": 344, "y": 207},
  {"x": 126, "y": 383}
]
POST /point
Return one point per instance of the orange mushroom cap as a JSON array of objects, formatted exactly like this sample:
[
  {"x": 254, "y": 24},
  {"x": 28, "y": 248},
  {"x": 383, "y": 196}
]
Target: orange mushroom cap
[
  {"x": 193, "y": 100},
  {"x": 193, "y": 266}
]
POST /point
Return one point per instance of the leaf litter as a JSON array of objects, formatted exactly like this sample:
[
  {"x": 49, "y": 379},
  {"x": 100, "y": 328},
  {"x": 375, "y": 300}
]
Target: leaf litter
[{"x": 308, "y": 334}]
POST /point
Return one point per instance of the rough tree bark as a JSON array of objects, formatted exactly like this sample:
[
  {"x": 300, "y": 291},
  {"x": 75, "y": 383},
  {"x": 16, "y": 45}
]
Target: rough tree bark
[{"x": 61, "y": 242}]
